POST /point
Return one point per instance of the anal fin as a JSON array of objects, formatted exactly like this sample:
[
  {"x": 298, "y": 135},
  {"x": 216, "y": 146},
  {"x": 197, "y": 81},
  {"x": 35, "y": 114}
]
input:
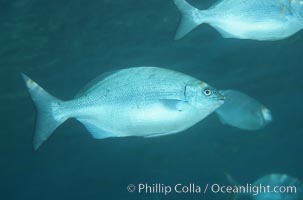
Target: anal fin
[
  {"x": 223, "y": 33},
  {"x": 96, "y": 131},
  {"x": 157, "y": 135}
]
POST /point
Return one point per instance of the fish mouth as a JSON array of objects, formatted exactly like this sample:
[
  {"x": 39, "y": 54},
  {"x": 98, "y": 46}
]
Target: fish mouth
[
  {"x": 266, "y": 114},
  {"x": 221, "y": 98}
]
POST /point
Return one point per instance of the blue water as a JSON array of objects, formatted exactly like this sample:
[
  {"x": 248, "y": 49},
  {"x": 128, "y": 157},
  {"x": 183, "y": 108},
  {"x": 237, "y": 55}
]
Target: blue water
[{"x": 64, "y": 44}]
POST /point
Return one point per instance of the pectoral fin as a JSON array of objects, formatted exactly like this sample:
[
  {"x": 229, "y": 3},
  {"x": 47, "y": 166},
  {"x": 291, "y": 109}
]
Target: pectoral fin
[{"x": 175, "y": 104}]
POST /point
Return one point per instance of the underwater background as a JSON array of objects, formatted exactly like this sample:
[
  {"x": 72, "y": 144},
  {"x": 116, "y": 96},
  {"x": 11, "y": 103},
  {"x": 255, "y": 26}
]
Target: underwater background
[{"x": 64, "y": 44}]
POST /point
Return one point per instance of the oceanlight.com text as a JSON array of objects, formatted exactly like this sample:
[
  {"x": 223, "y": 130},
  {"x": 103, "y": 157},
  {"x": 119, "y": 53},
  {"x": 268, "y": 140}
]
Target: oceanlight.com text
[
  {"x": 252, "y": 189},
  {"x": 193, "y": 188}
]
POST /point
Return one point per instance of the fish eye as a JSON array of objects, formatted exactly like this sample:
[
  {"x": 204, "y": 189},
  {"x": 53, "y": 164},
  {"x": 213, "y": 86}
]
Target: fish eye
[{"x": 207, "y": 92}]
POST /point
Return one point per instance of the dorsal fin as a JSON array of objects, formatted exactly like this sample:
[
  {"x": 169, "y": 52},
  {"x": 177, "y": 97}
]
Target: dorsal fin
[{"x": 99, "y": 79}]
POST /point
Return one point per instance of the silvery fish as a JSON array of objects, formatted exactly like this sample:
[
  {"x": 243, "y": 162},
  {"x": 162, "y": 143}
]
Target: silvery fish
[
  {"x": 281, "y": 187},
  {"x": 242, "y": 111},
  {"x": 140, "y": 101},
  {"x": 245, "y": 19},
  {"x": 284, "y": 181}
]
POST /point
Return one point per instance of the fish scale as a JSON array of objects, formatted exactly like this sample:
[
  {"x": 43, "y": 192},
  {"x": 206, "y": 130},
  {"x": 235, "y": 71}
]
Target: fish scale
[
  {"x": 245, "y": 19},
  {"x": 140, "y": 101}
]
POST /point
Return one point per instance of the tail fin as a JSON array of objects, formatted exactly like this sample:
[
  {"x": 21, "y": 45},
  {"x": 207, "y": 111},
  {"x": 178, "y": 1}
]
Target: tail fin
[
  {"x": 190, "y": 19},
  {"x": 45, "y": 103},
  {"x": 233, "y": 182}
]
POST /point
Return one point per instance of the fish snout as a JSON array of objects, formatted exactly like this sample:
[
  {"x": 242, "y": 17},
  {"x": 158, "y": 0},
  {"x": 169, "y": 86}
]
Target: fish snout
[
  {"x": 221, "y": 97},
  {"x": 266, "y": 113}
]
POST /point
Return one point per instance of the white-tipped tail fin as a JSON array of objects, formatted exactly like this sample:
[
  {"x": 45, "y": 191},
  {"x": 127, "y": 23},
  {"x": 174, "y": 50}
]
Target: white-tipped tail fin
[
  {"x": 46, "y": 122},
  {"x": 190, "y": 19}
]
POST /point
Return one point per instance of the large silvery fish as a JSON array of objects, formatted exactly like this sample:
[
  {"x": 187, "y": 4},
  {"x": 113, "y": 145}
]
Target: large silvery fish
[
  {"x": 272, "y": 187},
  {"x": 242, "y": 111},
  {"x": 141, "y": 101},
  {"x": 245, "y": 19}
]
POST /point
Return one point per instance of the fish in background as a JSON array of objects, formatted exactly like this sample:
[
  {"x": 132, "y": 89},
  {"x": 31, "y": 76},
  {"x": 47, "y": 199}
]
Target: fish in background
[
  {"x": 283, "y": 181},
  {"x": 245, "y": 19},
  {"x": 140, "y": 101},
  {"x": 242, "y": 111}
]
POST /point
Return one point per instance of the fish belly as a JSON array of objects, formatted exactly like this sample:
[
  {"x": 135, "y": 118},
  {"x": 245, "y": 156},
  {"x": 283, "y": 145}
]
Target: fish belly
[
  {"x": 143, "y": 101},
  {"x": 259, "y": 20},
  {"x": 237, "y": 28},
  {"x": 149, "y": 120}
]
